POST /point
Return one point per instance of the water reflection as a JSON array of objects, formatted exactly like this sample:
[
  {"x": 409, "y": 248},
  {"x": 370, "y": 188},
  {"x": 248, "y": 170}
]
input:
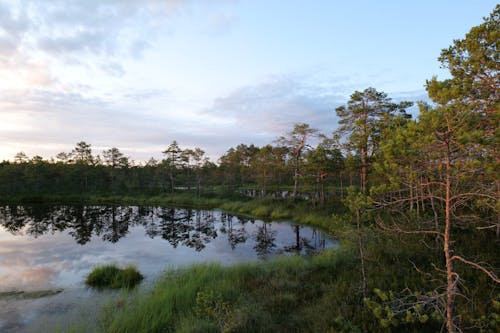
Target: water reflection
[
  {"x": 187, "y": 227},
  {"x": 264, "y": 240},
  {"x": 37, "y": 243}
]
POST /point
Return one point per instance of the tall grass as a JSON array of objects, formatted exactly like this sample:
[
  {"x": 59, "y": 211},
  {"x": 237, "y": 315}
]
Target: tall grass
[
  {"x": 287, "y": 294},
  {"x": 252, "y": 297},
  {"x": 110, "y": 276}
]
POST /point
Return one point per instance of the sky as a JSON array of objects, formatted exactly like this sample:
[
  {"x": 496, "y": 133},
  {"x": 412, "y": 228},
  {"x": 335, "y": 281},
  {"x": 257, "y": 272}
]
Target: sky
[{"x": 207, "y": 73}]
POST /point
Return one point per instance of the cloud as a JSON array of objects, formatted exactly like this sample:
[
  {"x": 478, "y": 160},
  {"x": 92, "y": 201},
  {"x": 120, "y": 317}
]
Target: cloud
[
  {"x": 221, "y": 22},
  {"x": 76, "y": 33},
  {"x": 113, "y": 69},
  {"x": 281, "y": 102},
  {"x": 141, "y": 123}
]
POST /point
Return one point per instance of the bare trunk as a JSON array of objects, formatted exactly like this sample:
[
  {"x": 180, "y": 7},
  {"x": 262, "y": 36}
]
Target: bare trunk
[
  {"x": 410, "y": 186},
  {"x": 422, "y": 194},
  {"x": 417, "y": 196},
  {"x": 450, "y": 273},
  {"x": 171, "y": 177},
  {"x": 436, "y": 215},
  {"x": 296, "y": 177},
  {"x": 198, "y": 185},
  {"x": 322, "y": 193},
  {"x": 361, "y": 255},
  {"x": 498, "y": 214}
]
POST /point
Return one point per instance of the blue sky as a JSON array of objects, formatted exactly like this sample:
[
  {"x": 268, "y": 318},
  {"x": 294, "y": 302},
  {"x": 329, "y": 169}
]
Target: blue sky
[{"x": 210, "y": 73}]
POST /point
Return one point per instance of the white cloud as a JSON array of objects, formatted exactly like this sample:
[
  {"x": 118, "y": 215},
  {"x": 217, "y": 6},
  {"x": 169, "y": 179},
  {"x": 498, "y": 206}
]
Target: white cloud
[
  {"x": 46, "y": 34},
  {"x": 272, "y": 107}
]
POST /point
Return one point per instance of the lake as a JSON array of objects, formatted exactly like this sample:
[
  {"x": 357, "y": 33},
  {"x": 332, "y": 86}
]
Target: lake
[{"x": 50, "y": 250}]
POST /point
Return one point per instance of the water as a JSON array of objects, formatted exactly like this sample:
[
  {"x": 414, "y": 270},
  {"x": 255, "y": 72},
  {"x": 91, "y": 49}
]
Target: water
[{"x": 53, "y": 248}]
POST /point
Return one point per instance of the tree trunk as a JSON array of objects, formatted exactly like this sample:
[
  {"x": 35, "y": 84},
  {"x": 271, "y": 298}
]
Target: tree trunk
[
  {"x": 410, "y": 187},
  {"x": 361, "y": 254},
  {"x": 296, "y": 177},
  {"x": 198, "y": 184},
  {"x": 341, "y": 186},
  {"x": 498, "y": 214},
  {"x": 171, "y": 176},
  {"x": 450, "y": 273},
  {"x": 364, "y": 171},
  {"x": 322, "y": 193}
]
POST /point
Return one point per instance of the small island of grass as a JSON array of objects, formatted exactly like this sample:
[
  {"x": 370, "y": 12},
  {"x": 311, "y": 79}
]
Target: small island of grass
[{"x": 111, "y": 276}]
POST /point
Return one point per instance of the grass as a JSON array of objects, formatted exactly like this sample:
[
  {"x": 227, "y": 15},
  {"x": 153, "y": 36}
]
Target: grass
[
  {"x": 290, "y": 294},
  {"x": 286, "y": 294},
  {"x": 254, "y": 297},
  {"x": 110, "y": 276}
]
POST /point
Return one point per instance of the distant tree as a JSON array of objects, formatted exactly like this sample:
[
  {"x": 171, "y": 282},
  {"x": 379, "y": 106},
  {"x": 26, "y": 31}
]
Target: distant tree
[
  {"x": 297, "y": 141},
  {"x": 236, "y": 164},
  {"x": 173, "y": 160},
  {"x": 63, "y": 157},
  {"x": 37, "y": 159},
  {"x": 82, "y": 153},
  {"x": 264, "y": 164},
  {"x": 199, "y": 162},
  {"x": 152, "y": 162},
  {"x": 230, "y": 164},
  {"x": 21, "y": 157},
  {"x": 321, "y": 163},
  {"x": 114, "y": 158}
]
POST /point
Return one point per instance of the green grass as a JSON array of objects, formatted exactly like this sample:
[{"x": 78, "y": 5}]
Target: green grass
[
  {"x": 110, "y": 276},
  {"x": 291, "y": 294},
  {"x": 286, "y": 294},
  {"x": 282, "y": 295}
]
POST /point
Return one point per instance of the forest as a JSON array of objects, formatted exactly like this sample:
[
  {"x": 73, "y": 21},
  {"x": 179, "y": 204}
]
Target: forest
[{"x": 421, "y": 178}]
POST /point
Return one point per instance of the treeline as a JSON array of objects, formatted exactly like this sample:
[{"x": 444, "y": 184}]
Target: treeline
[
  {"x": 82, "y": 172},
  {"x": 290, "y": 166}
]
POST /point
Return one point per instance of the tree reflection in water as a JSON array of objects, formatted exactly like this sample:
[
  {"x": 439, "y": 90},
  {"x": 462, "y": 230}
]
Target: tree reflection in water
[
  {"x": 179, "y": 226},
  {"x": 264, "y": 240}
]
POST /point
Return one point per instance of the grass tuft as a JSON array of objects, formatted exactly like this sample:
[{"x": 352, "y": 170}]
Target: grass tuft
[{"x": 110, "y": 276}]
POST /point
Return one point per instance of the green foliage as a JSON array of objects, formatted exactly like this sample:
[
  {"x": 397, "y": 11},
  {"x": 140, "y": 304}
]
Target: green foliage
[
  {"x": 357, "y": 202},
  {"x": 407, "y": 308},
  {"x": 110, "y": 276},
  {"x": 490, "y": 321}
]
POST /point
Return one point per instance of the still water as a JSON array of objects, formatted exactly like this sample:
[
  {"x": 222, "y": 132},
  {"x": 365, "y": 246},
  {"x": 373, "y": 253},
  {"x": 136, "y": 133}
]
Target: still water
[{"x": 53, "y": 248}]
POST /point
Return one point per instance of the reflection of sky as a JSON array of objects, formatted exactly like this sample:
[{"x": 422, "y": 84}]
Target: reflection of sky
[{"x": 55, "y": 260}]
